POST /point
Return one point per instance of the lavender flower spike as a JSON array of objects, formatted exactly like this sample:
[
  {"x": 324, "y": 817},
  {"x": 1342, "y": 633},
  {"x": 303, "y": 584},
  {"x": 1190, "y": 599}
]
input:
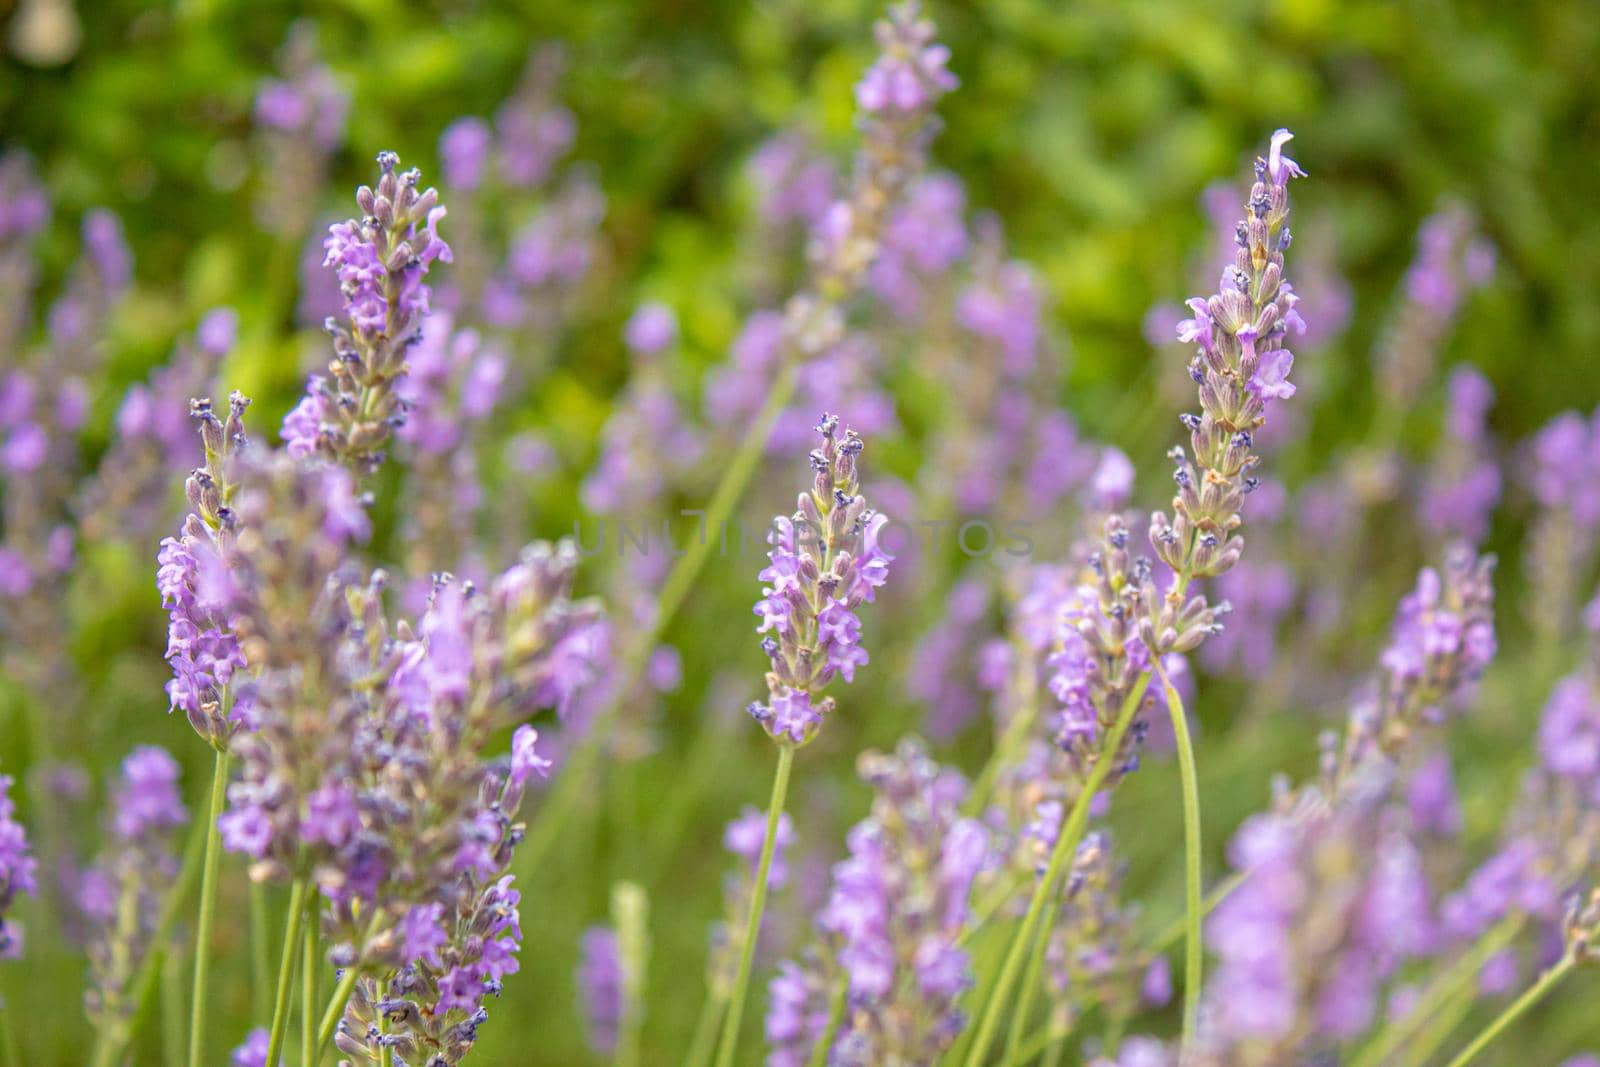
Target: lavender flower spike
[
  {"x": 1241, "y": 367},
  {"x": 18, "y": 869},
  {"x": 382, "y": 260},
  {"x": 122, "y": 893},
  {"x": 195, "y": 583},
  {"x": 902, "y": 966},
  {"x": 825, "y": 560}
]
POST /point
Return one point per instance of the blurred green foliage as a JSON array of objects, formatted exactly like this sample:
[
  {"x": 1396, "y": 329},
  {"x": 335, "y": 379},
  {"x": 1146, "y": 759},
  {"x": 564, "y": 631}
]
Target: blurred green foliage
[{"x": 1089, "y": 126}]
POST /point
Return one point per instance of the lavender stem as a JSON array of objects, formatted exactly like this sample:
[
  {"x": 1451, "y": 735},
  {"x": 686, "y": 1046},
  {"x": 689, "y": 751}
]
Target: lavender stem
[
  {"x": 335, "y": 1010},
  {"x": 291, "y": 945},
  {"x": 819, "y": 1055},
  {"x": 260, "y": 966},
  {"x": 702, "y": 1044},
  {"x": 1066, "y": 844},
  {"x": 109, "y": 1046},
  {"x": 1461, "y": 974},
  {"x": 309, "y": 1050},
  {"x": 208, "y": 909},
  {"x": 758, "y": 903},
  {"x": 1193, "y": 885},
  {"x": 1534, "y": 993}
]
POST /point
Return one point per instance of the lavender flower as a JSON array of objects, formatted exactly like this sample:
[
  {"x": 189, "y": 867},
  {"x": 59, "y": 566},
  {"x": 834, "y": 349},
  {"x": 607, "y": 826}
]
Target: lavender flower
[
  {"x": 653, "y": 328},
  {"x": 910, "y": 73},
  {"x": 381, "y": 261},
  {"x": 1094, "y": 958},
  {"x": 368, "y": 770},
  {"x": 794, "y": 182},
  {"x": 433, "y": 1007},
  {"x": 826, "y": 559},
  {"x": 253, "y": 1051},
  {"x": 1335, "y": 893},
  {"x": 533, "y": 130},
  {"x": 1562, "y": 542},
  {"x": 647, "y": 440},
  {"x": 137, "y": 864},
  {"x": 1242, "y": 368},
  {"x": 896, "y": 101},
  {"x": 202, "y": 646},
  {"x": 464, "y": 152},
  {"x": 902, "y": 967},
  {"x": 1443, "y": 637},
  {"x": 300, "y": 118},
  {"x": 127, "y": 495},
  {"x": 600, "y": 987},
  {"x": 24, "y": 211},
  {"x": 1451, "y": 261},
  {"x": 946, "y": 663},
  {"x": 1463, "y": 484},
  {"x": 924, "y": 237},
  {"x": 18, "y": 869},
  {"x": 1139, "y": 1052},
  {"x": 547, "y": 259}
]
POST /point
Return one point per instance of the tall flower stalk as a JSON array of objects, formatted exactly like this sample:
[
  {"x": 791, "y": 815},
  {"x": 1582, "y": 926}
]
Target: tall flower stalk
[
  {"x": 203, "y": 649},
  {"x": 1241, "y": 366},
  {"x": 825, "y": 561},
  {"x": 895, "y": 102}
]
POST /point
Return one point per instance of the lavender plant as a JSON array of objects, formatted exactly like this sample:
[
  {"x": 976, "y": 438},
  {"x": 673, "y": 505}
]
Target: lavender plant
[
  {"x": 895, "y": 101},
  {"x": 826, "y": 560}
]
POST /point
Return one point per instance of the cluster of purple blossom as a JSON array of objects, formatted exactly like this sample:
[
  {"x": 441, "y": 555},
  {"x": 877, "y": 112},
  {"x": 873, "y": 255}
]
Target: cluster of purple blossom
[
  {"x": 889, "y": 932},
  {"x": 826, "y": 560}
]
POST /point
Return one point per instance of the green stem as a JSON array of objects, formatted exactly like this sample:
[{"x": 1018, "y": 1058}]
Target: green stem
[
  {"x": 1030, "y": 989},
  {"x": 1041, "y": 1041},
  {"x": 335, "y": 1009},
  {"x": 1066, "y": 845},
  {"x": 573, "y": 783},
  {"x": 1445, "y": 1022},
  {"x": 1174, "y": 930},
  {"x": 291, "y": 945},
  {"x": 8, "y": 1036},
  {"x": 819, "y": 1054},
  {"x": 703, "y": 1043},
  {"x": 1534, "y": 993},
  {"x": 1193, "y": 885},
  {"x": 758, "y": 903},
  {"x": 172, "y": 1035},
  {"x": 1460, "y": 975},
  {"x": 208, "y": 910},
  {"x": 260, "y": 963},
  {"x": 1053, "y": 1054},
  {"x": 309, "y": 968}
]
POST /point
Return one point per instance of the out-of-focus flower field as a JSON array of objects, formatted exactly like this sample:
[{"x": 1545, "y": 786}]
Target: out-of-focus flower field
[{"x": 684, "y": 245}]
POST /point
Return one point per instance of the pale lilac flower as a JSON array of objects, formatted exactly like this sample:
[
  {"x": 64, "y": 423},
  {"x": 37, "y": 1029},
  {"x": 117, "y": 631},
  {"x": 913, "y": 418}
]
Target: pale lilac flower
[
  {"x": 350, "y": 413},
  {"x": 653, "y": 328},
  {"x": 464, "y": 153},
  {"x": 18, "y": 868},
  {"x": 910, "y": 74},
  {"x": 825, "y": 561},
  {"x": 253, "y": 1051},
  {"x": 600, "y": 987},
  {"x": 899, "y": 964}
]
